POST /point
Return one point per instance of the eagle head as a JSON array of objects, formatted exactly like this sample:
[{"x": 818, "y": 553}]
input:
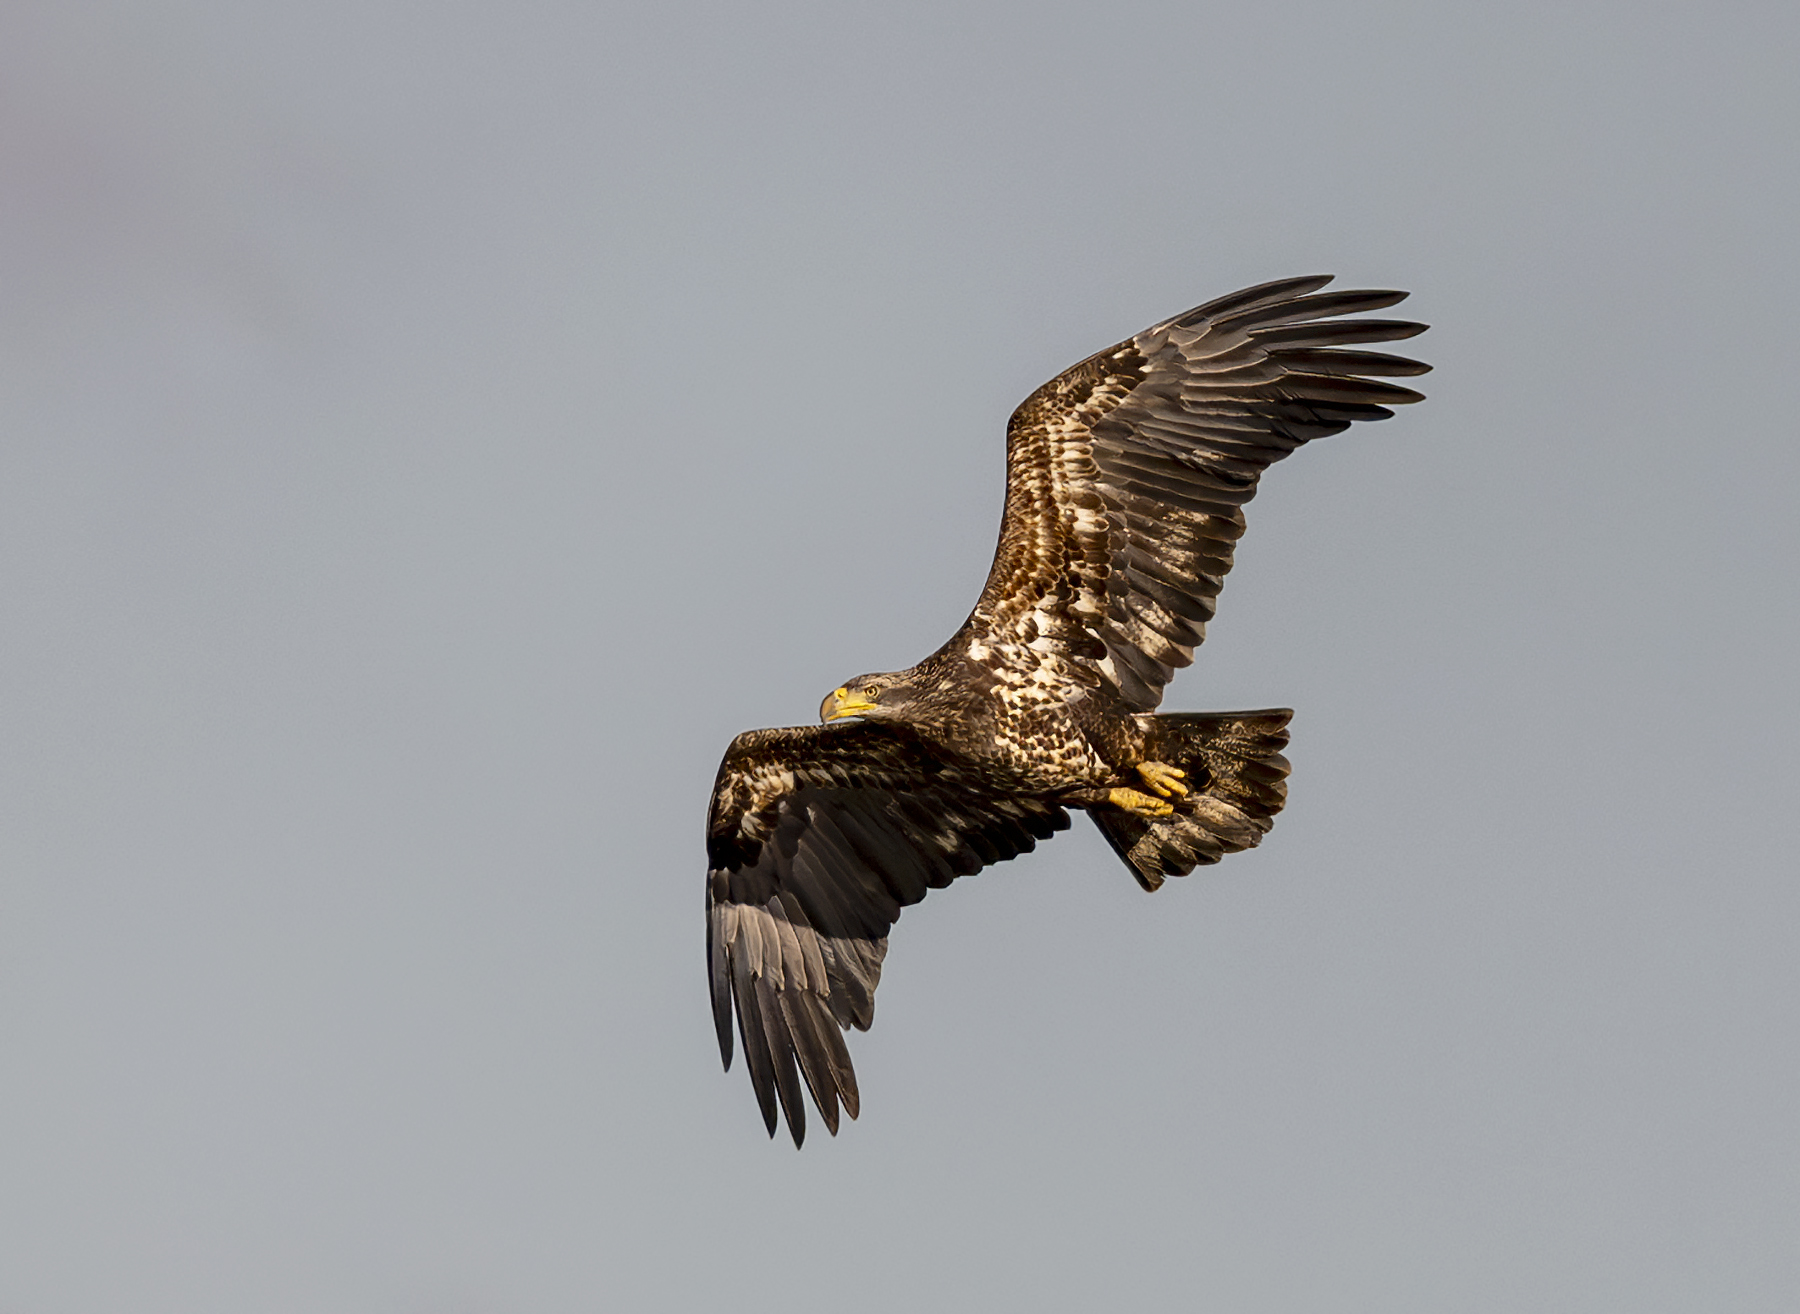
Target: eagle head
[{"x": 876, "y": 697}]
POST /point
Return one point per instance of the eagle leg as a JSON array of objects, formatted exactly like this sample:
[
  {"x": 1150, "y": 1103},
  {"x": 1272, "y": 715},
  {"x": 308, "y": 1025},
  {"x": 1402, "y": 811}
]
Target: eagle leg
[
  {"x": 1144, "y": 805},
  {"x": 1163, "y": 778}
]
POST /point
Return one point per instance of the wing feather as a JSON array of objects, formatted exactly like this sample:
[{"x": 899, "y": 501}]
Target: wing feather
[
  {"x": 1127, "y": 474},
  {"x": 818, "y": 837}
]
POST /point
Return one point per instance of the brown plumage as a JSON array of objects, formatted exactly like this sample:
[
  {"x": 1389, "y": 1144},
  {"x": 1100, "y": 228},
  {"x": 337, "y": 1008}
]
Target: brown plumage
[{"x": 1126, "y": 480}]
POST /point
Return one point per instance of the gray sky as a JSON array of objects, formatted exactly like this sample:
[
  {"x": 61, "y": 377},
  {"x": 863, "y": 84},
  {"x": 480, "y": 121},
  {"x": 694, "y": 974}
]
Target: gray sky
[{"x": 432, "y": 431}]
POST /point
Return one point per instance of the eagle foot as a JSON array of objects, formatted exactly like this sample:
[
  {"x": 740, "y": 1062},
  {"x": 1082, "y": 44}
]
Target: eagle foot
[
  {"x": 1144, "y": 805},
  {"x": 1163, "y": 778}
]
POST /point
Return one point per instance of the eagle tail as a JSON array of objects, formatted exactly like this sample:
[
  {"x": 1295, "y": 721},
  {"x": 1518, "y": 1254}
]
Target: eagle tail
[{"x": 1237, "y": 780}]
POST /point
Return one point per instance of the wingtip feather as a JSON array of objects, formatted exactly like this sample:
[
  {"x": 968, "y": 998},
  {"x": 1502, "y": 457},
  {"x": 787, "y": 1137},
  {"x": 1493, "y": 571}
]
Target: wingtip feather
[{"x": 1261, "y": 294}]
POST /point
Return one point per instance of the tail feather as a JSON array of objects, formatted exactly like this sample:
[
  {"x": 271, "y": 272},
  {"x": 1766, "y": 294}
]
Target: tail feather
[{"x": 1237, "y": 780}]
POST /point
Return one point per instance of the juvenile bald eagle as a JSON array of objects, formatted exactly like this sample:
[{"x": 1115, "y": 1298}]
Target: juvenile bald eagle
[{"x": 1126, "y": 478}]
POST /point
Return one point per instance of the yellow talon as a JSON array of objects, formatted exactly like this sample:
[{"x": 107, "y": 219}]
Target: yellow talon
[
  {"x": 1144, "y": 805},
  {"x": 1163, "y": 778}
]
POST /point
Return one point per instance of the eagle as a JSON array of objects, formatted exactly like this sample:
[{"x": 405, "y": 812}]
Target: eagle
[{"x": 1126, "y": 479}]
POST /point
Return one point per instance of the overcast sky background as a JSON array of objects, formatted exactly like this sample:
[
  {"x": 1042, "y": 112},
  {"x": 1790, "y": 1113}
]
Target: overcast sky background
[{"x": 430, "y": 432}]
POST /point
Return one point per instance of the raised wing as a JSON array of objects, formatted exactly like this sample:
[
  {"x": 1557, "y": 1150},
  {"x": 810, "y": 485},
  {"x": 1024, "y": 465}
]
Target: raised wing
[
  {"x": 816, "y": 838},
  {"x": 1127, "y": 474}
]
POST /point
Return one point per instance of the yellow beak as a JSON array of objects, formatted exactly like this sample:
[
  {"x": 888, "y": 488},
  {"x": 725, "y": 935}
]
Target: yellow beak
[{"x": 840, "y": 703}]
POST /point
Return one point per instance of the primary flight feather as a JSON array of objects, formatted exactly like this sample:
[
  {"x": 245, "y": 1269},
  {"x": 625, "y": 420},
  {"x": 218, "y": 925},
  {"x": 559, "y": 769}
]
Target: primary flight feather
[{"x": 1126, "y": 477}]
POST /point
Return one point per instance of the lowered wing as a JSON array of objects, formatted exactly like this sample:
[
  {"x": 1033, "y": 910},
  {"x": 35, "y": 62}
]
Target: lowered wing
[{"x": 816, "y": 838}]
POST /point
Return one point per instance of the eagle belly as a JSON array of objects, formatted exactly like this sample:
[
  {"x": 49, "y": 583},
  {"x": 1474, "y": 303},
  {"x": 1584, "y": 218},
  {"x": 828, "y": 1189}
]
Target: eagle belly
[
  {"x": 1051, "y": 743},
  {"x": 1025, "y": 721}
]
